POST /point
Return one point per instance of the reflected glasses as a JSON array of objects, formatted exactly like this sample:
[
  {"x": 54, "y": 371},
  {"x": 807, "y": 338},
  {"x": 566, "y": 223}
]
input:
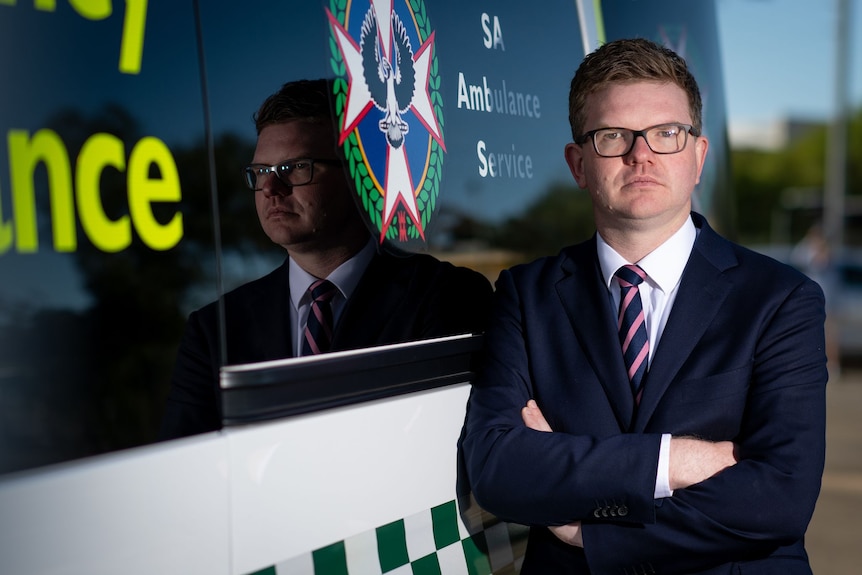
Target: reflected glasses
[
  {"x": 297, "y": 172},
  {"x": 661, "y": 139}
]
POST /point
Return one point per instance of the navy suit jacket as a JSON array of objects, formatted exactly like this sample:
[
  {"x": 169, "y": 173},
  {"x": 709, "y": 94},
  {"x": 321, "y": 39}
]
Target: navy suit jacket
[
  {"x": 399, "y": 298},
  {"x": 741, "y": 359}
]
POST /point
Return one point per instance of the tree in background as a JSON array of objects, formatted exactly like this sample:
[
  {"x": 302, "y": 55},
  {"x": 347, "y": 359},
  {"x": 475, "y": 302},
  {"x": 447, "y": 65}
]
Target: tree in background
[{"x": 769, "y": 185}]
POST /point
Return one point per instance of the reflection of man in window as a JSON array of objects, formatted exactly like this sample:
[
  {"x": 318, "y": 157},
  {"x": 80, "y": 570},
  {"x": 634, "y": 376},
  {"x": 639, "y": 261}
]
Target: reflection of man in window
[{"x": 336, "y": 289}]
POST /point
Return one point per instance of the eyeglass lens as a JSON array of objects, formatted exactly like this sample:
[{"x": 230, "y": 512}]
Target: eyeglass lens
[
  {"x": 664, "y": 139},
  {"x": 295, "y": 173}
]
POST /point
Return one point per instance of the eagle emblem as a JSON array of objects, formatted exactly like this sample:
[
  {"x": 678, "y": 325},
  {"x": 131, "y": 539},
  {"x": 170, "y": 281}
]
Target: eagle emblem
[
  {"x": 387, "y": 87},
  {"x": 390, "y": 83}
]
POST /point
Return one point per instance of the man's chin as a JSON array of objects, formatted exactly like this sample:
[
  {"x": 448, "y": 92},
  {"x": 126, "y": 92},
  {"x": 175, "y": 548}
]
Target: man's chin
[{"x": 291, "y": 239}]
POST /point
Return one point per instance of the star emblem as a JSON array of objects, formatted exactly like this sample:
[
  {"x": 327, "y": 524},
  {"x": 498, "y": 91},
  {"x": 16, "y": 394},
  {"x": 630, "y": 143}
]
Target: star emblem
[{"x": 384, "y": 73}]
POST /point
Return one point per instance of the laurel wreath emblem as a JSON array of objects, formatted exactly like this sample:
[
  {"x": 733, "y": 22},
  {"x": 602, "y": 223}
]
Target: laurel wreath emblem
[{"x": 369, "y": 195}]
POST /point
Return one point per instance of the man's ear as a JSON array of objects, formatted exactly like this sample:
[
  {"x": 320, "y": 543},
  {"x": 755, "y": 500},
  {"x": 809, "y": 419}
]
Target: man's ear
[
  {"x": 575, "y": 159},
  {"x": 701, "y": 146}
]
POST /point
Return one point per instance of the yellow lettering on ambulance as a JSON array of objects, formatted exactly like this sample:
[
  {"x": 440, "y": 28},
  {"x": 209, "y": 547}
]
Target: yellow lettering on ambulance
[
  {"x": 132, "y": 47},
  {"x": 99, "y": 151},
  {"x": 145, "y": 190},
  {"x": 92, "y": 9},
  {"x": 25, "y": 154},
  {"x": 134, "y": 25}
]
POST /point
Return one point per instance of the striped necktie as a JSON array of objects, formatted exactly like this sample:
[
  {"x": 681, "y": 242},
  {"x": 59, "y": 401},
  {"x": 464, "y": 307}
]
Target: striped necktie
[
  {"x": 632, "y": 327},
  {"x": 318, "y": 326}
]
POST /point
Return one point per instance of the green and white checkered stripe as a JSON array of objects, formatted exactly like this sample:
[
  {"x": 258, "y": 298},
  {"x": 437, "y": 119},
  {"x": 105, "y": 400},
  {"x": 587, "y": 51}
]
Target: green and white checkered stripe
[{"x": 432, "y": 542}]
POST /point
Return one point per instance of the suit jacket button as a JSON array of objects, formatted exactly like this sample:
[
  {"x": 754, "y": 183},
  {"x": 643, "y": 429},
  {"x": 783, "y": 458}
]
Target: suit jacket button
[
  {"x": 597, "y": 512},
  {"x": 622, "y": 510}
]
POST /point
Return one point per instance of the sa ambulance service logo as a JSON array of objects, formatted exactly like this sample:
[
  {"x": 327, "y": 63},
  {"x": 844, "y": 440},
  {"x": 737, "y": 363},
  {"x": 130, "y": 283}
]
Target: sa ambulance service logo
[{"x": 390, "y": 111}]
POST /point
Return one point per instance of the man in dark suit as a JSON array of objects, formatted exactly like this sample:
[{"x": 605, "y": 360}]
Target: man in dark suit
[
  {"x": 337, "y": 289},
  {"x": 671, "y": 420}
]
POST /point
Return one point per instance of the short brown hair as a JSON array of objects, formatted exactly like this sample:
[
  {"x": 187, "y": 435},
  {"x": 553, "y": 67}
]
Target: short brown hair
[
  {"x": 630, "y": 60},
  {"x": 307, "y": 100}
]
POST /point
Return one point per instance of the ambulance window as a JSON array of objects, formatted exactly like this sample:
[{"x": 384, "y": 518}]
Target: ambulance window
[
  {"x": 124, "y": 207},
  {"x": 447, "y": 166},
  {"x": 106, "y": 234},
  {"x": 466, "y": 151}
]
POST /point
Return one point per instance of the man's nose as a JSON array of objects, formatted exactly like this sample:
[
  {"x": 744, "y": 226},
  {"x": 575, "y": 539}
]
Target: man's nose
[
  {"x": 271, "y": 185},
  {"x": 640, "y": 148}
]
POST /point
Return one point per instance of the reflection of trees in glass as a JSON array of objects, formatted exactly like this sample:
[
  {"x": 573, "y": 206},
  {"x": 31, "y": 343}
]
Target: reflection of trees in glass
[
  {"x": 562, "y": 216},
  {"x": 95, "y": 380}
]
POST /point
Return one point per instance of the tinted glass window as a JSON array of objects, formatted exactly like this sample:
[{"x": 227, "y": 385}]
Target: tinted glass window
[
  {"x": 122, "y": 202},
  {"x": 484, "y": 135},
  {"x": 106, "y": 233}
]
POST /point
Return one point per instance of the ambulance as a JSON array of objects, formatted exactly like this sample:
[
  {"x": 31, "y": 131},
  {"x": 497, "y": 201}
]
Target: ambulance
[{"x": 122, "y": 209}]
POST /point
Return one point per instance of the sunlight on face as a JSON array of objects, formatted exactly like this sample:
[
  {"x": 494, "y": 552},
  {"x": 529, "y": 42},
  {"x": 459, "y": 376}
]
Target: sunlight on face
[{"x": 641, "y": 187}]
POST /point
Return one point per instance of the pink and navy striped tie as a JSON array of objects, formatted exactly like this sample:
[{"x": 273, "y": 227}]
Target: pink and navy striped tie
[
  {"x": 632, "y": 327},
  {"x": 318, "y": 327}
]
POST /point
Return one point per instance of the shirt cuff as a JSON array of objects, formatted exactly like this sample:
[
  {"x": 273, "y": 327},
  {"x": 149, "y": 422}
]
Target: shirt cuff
[{"x": 662, "y": 480}]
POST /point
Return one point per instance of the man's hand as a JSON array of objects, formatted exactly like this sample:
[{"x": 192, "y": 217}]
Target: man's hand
[
  {"x": 533, "y": 418},
  {"x": 570, "y": 534},
  {"x": 695, "y": 460}
]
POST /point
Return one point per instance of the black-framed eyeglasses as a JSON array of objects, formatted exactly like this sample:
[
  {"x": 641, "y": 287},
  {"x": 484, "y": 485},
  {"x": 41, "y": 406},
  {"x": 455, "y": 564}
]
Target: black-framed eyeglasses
[
  {"x": 295, "y": 172},
  {"x": 661, "y": 139}
]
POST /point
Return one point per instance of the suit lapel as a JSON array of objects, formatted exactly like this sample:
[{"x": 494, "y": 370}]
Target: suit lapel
[
  {"x": 364, "y": 318},
  {"x": 702, "y": 291},
  {"x": 259, "y": 327},
  {"x": 585, "y": 299}
]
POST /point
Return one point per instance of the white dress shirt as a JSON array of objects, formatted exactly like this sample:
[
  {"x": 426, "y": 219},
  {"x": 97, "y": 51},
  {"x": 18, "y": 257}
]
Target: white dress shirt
[{"x": 664, "y": 267}]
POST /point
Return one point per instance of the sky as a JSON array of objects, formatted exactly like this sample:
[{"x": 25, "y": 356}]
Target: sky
[{"x": 779, "y": 58}]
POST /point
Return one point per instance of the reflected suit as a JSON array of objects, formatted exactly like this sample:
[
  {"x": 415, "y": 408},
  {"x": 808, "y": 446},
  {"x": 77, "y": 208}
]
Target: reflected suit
[{"x": 399, "y": 298}]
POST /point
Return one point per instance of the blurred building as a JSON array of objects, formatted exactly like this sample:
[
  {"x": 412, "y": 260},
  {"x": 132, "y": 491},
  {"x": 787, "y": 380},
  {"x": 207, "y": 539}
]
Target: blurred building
[{"x": 770, "y": 135}]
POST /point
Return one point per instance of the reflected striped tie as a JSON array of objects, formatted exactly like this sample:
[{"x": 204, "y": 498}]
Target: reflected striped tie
[
  {"x": 318, "y": 326},
  {"x": 632, "y": 327}
]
